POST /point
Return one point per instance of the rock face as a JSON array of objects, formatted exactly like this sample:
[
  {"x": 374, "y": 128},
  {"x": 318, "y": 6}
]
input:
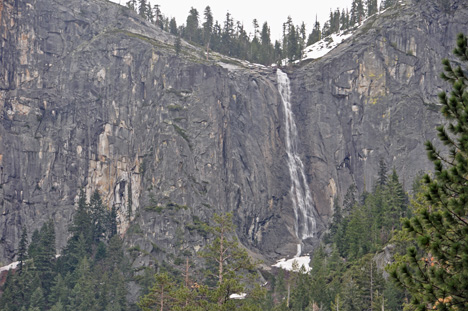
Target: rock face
[{"x": 91, "y": 96}]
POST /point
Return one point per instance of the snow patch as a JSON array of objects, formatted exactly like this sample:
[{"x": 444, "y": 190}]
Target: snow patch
[
  {"x": 13, "y": 265},
  {"x": 238, "y": 296},
  {"x": 322, "y": 47},
  {"x": 294, "y": 264}
]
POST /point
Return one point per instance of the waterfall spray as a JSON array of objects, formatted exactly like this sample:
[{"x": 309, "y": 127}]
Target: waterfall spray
[{"x": 300, "y": 192}]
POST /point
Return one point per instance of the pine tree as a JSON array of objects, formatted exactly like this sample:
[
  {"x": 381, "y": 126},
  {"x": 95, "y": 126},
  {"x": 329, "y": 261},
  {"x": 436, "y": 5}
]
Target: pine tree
[
  {"x": 436, "y": 271},
  {"x": 316, "y": 34},
  {"x": 160, "y": 296},
  {"x": 191, "y": 29},
  {"x": 82, "y": 297},
  {"x": 82, "y": 223},
  {"x": 23, "y": 249},
  {"x": 266, "y": 50},
  {"x": 44, "y": 257},
  {"x": 173, "y": 27},
  {"x": 59, "y": 291},
  {"x": 37, "y": 300},
  {"x": 372, "y": 7},
  {"x": 142, "y": 9},
  {"x": 294, "y": 52},
  {"x": 207, "y": 29},
  {"x": 228, "y": 35},
  {"x": 395, "y": 201},
  {"x": 158, "y": 21},
  {"x": 229, "y": 262},
  {"x": 178, "y": 45},
  {"x": 382, "y": 173},
  {"x": 98, "y": 217}
]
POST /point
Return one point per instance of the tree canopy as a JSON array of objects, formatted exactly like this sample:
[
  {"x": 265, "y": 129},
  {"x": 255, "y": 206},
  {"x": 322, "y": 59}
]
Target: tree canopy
[{"x": 435, "y": 269}]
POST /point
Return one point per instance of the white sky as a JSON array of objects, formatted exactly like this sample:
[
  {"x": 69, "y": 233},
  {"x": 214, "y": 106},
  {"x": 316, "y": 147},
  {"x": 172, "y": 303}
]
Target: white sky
[{"x": 273, "y": 12}]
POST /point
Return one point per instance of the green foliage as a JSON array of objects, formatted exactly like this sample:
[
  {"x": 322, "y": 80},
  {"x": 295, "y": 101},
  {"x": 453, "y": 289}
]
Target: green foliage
[
  {"x": 435, "y": 268},
  {"x": 369, "y": 226},
  {"x": 229, "y": 270},
  {"x": 90, "y": 274},
  {"x": 199, "y": 226},
  {"x": 345, "y": 273},
  {"x": 23, "y": 249},
  {"x": 382, "y": 173},
  {"x": 178, "y": 45}
]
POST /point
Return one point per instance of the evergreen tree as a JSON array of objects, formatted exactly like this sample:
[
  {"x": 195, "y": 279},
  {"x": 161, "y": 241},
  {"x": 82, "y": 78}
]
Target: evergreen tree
[
  {"x": 82, "y": 297},
  {"x": 266, "y": 50},
  {"x": 191, "y": 27},
  {"x": 436, "y": 271},
  {"x": 112, "y": 222},
  {"x": 82, "y": 223},
  {"x": 316, "y": 34},
  {"x": 357, "y": 12},
  {"x": 161, "y": 294},
  {"x": 228, "y": 35},
  {"x": 173, "y": 27},
  {"x": 178, "y": 45},
  {"x": 98, "y": 217},
  {"x": 13, "y": 296},
  {"x": 382, "y": 173},
  {"x": 255, "y": 26},
  {"x": 395, "y": 203},
  {"x": 278, "y": 52},
  {"x": 207, "y": 29},
  {"x": 142, "y": 10},
  {"x": 59, "y": 291},
  {"x": 58, "y": 307},
  {"x": 229, "y": 262},
  {"x": 44, "y": 256},
  {"x": 294, "y": 52},
  {"x": 344, "y": 20},
  {"x": 350, "y": 198},
  {"x": 37, "y": 300},
  {"x": 372, "y": 7},
  {"x": 22, "y": 249},
  {"x": 158, "y": 21}
]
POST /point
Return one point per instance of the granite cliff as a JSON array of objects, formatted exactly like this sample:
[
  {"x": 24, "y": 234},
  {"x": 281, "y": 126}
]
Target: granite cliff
[{"x": 92, "y": 96}]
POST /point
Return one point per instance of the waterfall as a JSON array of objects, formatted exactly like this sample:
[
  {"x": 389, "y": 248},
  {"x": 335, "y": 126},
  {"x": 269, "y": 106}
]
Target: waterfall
[{"x": 300, "y": 192}]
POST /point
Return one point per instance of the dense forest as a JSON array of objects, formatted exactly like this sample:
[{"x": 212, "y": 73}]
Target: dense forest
[
  {"x": 384, "y": 250},
  {"x": 93, "y": 272},
  {"x": 231, "y": 38}
]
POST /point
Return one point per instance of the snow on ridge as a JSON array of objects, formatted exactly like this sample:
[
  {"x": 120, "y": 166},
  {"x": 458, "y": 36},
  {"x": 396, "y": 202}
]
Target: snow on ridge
[
  {"x": 294, "y": 264},
  {"x": 322, "y": 47}
]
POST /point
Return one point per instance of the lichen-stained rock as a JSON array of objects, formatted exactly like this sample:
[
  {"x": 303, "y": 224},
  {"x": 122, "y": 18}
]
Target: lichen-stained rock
[
  {"x": 96, "y": 98},
  {"x": 375, "y": 96},
  {"x": 92, "y": 96}
]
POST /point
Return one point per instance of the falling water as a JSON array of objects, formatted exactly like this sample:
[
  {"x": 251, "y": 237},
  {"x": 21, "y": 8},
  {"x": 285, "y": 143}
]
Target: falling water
[{"x": 300, "y": 192}]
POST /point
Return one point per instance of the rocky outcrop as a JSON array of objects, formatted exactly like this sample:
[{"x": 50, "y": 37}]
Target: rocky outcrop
[
  {"x": 91, "y": 96},
  {"x": 375, "y": 96}
]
